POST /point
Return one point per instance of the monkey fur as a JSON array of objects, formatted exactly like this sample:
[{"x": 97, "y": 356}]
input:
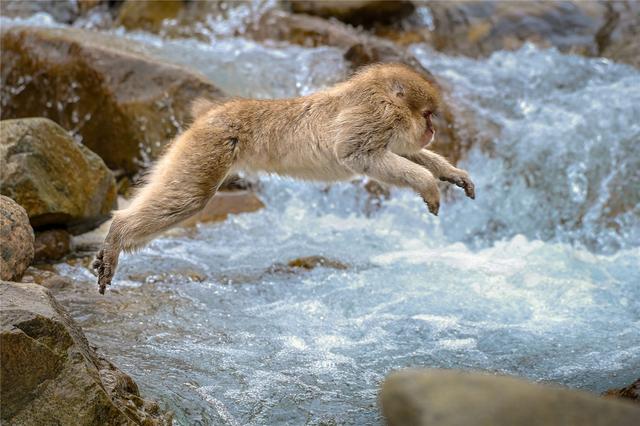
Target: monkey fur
[{"x": 377, "y": 123}]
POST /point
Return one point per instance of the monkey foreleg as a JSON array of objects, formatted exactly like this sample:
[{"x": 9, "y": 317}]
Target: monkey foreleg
[
  {"x": 444, "y": 171},
  {"x": 395, "y": 170}
]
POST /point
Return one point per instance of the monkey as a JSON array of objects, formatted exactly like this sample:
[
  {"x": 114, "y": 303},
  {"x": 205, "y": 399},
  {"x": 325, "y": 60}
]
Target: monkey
[{"x": 377, "y": 123}]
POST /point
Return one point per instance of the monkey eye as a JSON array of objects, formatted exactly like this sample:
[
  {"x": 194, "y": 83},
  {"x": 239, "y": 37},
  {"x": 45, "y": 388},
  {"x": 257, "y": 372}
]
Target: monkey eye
[{"x": 427, "y": 114}]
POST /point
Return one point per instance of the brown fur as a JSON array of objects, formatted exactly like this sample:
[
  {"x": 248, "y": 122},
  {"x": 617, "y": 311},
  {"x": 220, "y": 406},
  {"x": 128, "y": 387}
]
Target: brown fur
[{"x": 373, "y": 124}]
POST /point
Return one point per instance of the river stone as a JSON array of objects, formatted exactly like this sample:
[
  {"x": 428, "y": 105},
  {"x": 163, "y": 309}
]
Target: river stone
[
  {"x": 50, "y": 374},
  {"x": 360, "y": 49},
  {"x": 481, "y": 27},
  {"x": 356, "y": 12},
  {"x": 619, "y": 37},
  {"x": 16, "y": 236},
  {"x": 109, "y": 92},
  {"x": 56, "y": 180},
  {"x": 424, "y": 397}
]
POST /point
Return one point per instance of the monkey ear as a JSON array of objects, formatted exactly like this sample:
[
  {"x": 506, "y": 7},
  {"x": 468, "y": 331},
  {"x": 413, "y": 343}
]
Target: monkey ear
[{"x": 398, "y": 88}]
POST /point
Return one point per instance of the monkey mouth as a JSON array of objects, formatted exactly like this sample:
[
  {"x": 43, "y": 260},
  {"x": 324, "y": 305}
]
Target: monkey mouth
[{"x": 427, "y": 137}]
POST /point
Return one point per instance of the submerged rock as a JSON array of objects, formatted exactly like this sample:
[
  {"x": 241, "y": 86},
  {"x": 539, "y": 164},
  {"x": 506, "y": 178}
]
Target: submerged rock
[
  {"x": 16, "y": 240},
  {"x": 56, "y": 180},
  {"x": 50, "y": 374},
  {"x": 418, "y": 397},
  {"x": 147, "y": 15},
  {"x": 109, "y": 92},
  {"x": 312, "y": 262}
]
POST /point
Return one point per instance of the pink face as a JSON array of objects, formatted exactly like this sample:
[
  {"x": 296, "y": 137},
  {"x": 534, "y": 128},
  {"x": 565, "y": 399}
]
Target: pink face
[{"x": 430, "y": 131}]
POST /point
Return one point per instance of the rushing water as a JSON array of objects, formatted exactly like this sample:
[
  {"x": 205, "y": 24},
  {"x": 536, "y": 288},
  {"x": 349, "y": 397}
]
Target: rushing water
[{"x": 539, "y": 277}]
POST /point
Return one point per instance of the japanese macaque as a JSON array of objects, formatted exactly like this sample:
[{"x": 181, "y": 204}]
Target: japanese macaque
[{"x": 378, "y": 123}]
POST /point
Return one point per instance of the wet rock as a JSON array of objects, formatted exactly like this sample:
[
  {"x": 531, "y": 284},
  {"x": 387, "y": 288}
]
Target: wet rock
[
  {"x": 225, "y": 203},
  {"x": 619, "y": 37},
  {"x": 448, "y": 397},
  {"x": 360, "y": 49},
  {"x": 16, "y": 237},
  {"x": 354, "y": 12},
  {"x": 65, "y": 11},
  {"x": 312, "y": 262},
  {"x": 50, "y": 374},
  {"x": 109, "y": 92},
  {"x": 52, "y": 244},
  {"x": 631, "y": 392},
  {"x": 56, "y": 180},
  {"x": 481, "y": 27},
  {"x": 147, "y": 15}
]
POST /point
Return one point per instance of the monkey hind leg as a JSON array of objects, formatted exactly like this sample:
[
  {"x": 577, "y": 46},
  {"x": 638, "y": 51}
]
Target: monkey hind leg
[{"x": 179, "y": 186}]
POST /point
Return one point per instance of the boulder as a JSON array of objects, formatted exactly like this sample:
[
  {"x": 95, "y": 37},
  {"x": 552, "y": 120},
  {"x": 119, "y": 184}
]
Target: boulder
[
  {"x": 421, "y": 397},
  {"x": 109, "y": 92},
  {"x": 50, "y": 374},
  {"x": 360, "y": 49},
  {"x": 56, "y": 180},
  {"x": 16, "y": 235},
  {"x": 481, "y": 27},
  {"x": 356, "y": 12}
]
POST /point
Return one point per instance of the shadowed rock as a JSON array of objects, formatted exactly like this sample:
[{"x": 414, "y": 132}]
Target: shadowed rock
[{"x": 50, "y": 374}]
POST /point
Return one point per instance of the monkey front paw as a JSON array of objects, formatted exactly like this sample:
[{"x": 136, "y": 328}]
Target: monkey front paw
[
  {"x": 462, "y": 180},
  {"x": 104, "y": 266}
]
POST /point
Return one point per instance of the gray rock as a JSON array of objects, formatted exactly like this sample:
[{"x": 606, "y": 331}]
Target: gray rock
[
  {"x": 423, "y": 397},
  {"x": 16, "y": 237},
  {"x": 50, "y": 375}
]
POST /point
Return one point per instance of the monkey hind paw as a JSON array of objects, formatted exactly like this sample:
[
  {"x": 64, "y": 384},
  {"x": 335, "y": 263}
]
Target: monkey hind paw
[{"x": 102, "y": 267}]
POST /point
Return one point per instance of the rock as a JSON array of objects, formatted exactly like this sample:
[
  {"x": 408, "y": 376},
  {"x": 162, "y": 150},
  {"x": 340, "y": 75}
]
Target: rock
[
  {"x": 52, "y": 244},
  {"x": 16, "y": 236},
  {"x": 225, "y": 203},
  {"x": 356, "y": 12},
  {"x": 50, "y": 374},
  {"x": 148, "y": 15},
  {"x": 448, "y": 397},
  {"x": 109, "y": 92},
  {"x": 45, "y": 278},
  {"x": 56, "y": 180},
  {"x": 359, "y": 49},
  {"x": 482, "y": 27},
  {"x": 619, "y": 37},
  {"x": 631, "y": 392},
  {"x": 65, "y": 11},
  {"x": 312, "y": 262}
]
